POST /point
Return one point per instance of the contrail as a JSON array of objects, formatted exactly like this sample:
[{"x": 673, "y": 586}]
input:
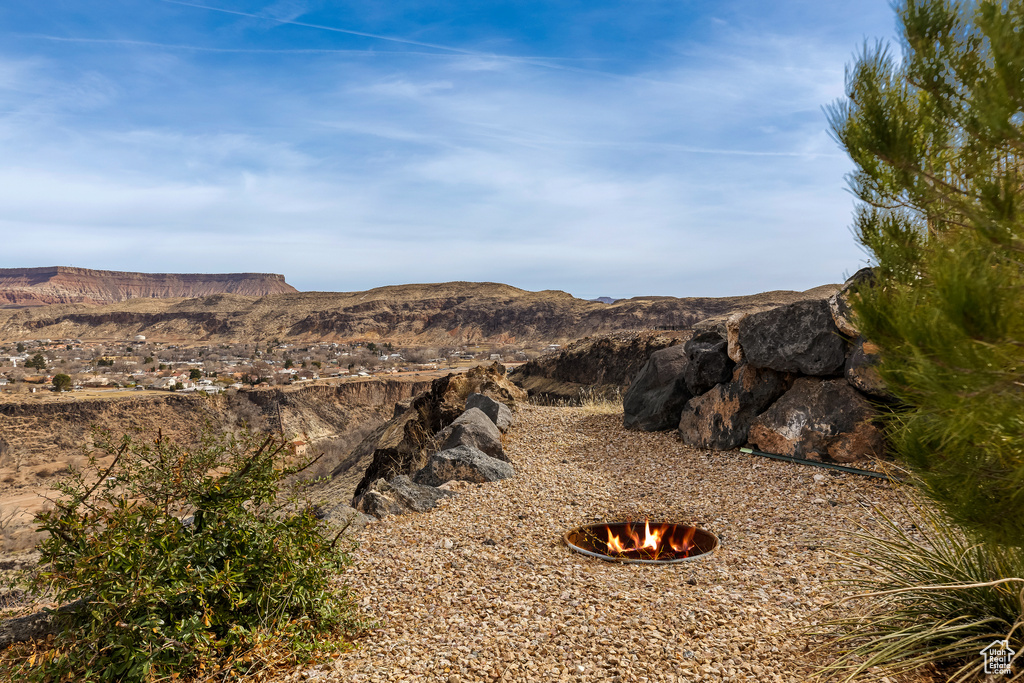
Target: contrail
[
  {"x": 202, "y": 48},
  {"x": 434, "y": 46},
  {"x": 363, "y": 34}
]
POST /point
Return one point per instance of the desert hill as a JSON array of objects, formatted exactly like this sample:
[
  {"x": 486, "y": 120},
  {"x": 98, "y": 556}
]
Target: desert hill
[
  {"x": 428, "y": 314},
  {"x": 21, "y": 287}
]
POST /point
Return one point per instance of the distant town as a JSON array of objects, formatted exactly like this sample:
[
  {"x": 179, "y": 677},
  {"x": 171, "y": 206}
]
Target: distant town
[{"x": 138, "y": 364}]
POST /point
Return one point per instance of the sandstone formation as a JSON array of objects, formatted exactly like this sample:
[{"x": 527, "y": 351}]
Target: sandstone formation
[
  {"x": 656, "y": 396},
  {"x": 68, "y": 285},
  {"x": 41, "y": 440}
]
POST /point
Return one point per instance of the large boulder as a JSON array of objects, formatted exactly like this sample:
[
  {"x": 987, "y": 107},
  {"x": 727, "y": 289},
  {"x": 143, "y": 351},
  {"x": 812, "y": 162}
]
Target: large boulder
[
  {"x": 861, "y": 372},
  {"x": 708, "y": 361},
  {"x": 399, "y": 496},
  {"x": 819, "y": 419},
  {"x": 839, "y": 303},
  {"x": 473, "y": 428},
  {"x": 721, "y": 417},
  {"x": 656, "y": 397},
  {"x": 463, "y": 463},
  {"x": 800, "y": 337},
  {"x": 499, "y": 413}
]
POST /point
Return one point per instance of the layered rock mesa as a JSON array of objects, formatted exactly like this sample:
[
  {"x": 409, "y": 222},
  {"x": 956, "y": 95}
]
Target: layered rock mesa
[
  {"x": 426, "y": 314},
  {"x": 21, "y": 287}
]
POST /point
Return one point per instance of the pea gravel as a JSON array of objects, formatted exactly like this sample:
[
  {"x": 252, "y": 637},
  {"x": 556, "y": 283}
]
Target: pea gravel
[{"x": 483, "y": 589}]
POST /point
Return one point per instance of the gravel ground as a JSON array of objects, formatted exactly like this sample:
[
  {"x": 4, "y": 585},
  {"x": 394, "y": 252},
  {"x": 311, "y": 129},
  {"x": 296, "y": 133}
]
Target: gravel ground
[{"x": 483, "y": 588}]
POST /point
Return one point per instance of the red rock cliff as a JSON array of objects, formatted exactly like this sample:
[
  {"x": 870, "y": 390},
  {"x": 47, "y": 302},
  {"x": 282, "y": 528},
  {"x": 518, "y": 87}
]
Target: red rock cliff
[{"x": 65, "y": 284}]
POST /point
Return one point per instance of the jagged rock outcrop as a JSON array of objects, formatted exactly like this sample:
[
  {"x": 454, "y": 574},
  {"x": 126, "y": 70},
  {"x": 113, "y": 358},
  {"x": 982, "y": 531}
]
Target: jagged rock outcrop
[
  {"x": 403, "y": 444},
  {"x": 721, "y": 417},
  {"x": 473, "y": 428},
  {"x": 656, "y": 397},
  {"x": 800, "y": 337},
  {"x": 38, "y": 439},
  {"x": 66, "y": 285},
  {"x": 463, "y": 463},
  {"x": 821, "y": 419}
]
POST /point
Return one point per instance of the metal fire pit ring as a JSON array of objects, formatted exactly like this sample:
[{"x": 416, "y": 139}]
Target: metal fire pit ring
[{"x": 582, "y": 540}]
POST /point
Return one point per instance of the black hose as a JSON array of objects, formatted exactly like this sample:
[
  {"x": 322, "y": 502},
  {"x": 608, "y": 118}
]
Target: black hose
[{"x": 827, "y": 465}]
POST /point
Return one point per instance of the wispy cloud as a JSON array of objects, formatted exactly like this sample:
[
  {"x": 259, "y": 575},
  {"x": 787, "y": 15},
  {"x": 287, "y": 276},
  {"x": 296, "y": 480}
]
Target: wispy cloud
[{"x": 700, "y": 166}]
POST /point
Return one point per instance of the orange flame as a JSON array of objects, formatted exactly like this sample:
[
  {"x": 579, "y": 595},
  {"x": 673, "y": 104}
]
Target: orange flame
[
  {"x": 686, "y": 543},
  {"x": 654, "y": 542}
]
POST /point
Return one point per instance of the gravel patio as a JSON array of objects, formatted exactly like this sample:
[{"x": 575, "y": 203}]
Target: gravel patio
[{"x": 483, "y": 589}]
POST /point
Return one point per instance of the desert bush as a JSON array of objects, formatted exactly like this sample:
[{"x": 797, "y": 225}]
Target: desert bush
[
  {"x": 187, "y": 561},
  {"x": 929, "y": 597}
]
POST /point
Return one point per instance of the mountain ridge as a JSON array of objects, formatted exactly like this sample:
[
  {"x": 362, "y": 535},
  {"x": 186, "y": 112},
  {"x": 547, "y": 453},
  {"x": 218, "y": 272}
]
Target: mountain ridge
[{"x": 439, "y": 314}]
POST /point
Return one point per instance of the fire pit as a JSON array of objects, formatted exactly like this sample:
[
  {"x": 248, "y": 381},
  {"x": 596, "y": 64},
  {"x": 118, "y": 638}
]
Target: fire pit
[{"x": 642, "y": 542}]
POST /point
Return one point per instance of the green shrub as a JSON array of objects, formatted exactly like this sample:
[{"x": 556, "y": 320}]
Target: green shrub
[{"x": 187, "y": 561}]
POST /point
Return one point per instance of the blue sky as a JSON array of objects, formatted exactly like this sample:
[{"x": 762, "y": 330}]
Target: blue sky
[{"x": 599, "y": 147}]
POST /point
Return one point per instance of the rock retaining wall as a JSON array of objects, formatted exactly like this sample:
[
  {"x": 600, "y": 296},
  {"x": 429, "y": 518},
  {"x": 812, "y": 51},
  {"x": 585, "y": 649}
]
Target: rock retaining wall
[{"x": 795, "y": 380}]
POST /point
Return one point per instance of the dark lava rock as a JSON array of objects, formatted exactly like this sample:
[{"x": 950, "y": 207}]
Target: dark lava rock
[
  {"x": 839, "y": 303},
  {"x": 819, "y": 419},
  {"x": 861, "y": 372},
  {"x": 721, "y": 417},
  {"x": 656, "y": 397},
  {"x": 499, "y": 413},
  {"x": 708, "y": 362},
  {"x": 800, "y": 337}
]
